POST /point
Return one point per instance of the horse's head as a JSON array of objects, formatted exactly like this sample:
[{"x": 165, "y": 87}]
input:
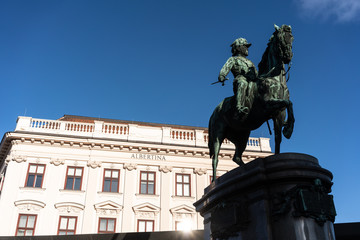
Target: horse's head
[
  {"x": 278, "y": 51},
  {"x": 283, "y": 39}
]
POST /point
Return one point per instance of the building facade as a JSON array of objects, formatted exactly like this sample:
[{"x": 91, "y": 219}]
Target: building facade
[{"x": 82, "y": 175}]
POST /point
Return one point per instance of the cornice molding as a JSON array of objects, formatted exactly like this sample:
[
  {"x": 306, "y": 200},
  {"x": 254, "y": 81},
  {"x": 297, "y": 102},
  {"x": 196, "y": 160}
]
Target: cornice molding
[{"x": 199, "y": 152}]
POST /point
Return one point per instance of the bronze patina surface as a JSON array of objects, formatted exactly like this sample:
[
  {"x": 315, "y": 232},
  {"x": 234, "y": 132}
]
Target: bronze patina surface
[{"x": 258, "y": 96}]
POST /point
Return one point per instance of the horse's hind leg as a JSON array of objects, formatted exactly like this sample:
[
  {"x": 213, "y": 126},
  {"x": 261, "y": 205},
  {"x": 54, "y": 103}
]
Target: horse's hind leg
[
  {"x": 278, "y": 124},
  {"x": 215, "y": 157},
  {"x": 240, "y": 141}
]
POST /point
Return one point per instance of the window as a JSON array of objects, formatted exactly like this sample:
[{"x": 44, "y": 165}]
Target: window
[
  {"x": 183, "y": 185},
  {"x": 145, "y": 225},
  {"x": 26, "y": 225},
  {"x": 111, "y": 180},
  {"x": 147, "y": 182},
  {"x": 74, "y": 178},
  {"x": 67, "y": 225},
  {"x": 107, "y": 225},
  {"x": 35, "y": 175}
]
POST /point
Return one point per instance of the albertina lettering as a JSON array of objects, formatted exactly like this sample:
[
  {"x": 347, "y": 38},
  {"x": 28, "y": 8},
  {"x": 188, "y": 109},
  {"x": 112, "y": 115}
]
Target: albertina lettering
[{"x": 148, "y": 156}]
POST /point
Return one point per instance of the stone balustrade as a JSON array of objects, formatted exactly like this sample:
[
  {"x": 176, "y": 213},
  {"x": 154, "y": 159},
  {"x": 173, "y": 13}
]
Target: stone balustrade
[{"x": 132, "y": 132}]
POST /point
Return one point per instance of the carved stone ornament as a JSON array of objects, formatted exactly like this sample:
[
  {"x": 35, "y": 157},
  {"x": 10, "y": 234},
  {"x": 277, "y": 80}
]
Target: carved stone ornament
[
  {"x": 182, "y": 212},
  {"x": 200, "y": 171},
  {"x": 108, "y": 208},
  {"x": 19, "y": 159},
  {"x": 29, "y": 205},
  {"x": 165, "y": 169},
  {"x": 69, "y": 207},
  {"x": 57, "y": 161},
  {"x": 94, "y": 164},
  {"x": 311, "y": 201},
  {"x": 145, "y": 214},
  {"x": 179, "y": 216},
  {"x": 130, "y": 166},
  {"x": 146, "y": 210}
]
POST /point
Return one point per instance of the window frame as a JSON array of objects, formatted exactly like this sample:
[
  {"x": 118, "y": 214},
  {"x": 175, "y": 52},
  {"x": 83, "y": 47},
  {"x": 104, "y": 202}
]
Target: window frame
[
  {"x": 67, "y": 225},
  {"x": 36, "y": 174},
  {"x": 182, "y": 183},
  {"x": 147, "y": 182},
  {"x": 26, "y": 228},
  {"x": 118, "y": 178},
  {"x": 146, "y": 221},
  {"x": 107, "y": 221},
  {"x": 81, "y": 179}
]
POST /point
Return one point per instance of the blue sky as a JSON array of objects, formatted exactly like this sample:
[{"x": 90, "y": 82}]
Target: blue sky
[{"x": 153, "y": 61}]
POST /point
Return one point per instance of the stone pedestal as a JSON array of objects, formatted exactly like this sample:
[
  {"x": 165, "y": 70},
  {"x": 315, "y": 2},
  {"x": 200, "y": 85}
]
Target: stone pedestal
[{"x": 281, "y": 197}]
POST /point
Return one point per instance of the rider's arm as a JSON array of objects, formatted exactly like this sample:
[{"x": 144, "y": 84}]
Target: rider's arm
[{"x": 226, "y": 69}]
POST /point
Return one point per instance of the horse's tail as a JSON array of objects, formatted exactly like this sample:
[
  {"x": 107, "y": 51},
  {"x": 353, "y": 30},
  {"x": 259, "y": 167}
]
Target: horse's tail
[{"x": 210, "y": 139}]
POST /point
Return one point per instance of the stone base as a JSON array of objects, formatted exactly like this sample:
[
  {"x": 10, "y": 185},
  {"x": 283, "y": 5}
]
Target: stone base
[{"x": 280, "y": 197}]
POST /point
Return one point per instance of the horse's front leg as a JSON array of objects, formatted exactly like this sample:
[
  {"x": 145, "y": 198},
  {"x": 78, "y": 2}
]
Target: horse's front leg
[{"x": 289, "y": 125}]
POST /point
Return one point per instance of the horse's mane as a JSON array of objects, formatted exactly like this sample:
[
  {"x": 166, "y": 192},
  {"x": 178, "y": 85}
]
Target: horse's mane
[{"x": 264, "y": 63}]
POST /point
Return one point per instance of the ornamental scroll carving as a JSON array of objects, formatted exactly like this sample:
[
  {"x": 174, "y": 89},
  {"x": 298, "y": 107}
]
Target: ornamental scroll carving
[
  {"x": 94, "y": 164},
  {"x": 108, "y": 212},
  {"x": 200, "y": 171},
  {"x": 145, "y": 214},
  {"x": 29, "y": 205},
  {"x": 165, "y": 169},
  {"x": 69, "y": 207},
  {"x": 146, "y": 210},
  {"x": 19, "y": 159},
  {"x": 14, "y": 157},
  {"x": 108, "y": 208},
  {"x": 182, "y": 212},
  {"x": 57, "y": 161},
  {"x": 130, "y": 166}
]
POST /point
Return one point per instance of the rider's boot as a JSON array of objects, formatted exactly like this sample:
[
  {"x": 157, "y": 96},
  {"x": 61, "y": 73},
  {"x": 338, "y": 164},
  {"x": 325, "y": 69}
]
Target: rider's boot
[{"x": 241, "y": 110}]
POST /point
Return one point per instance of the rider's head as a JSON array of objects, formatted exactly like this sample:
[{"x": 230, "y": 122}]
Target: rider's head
[{"x": 240, "y": 47}]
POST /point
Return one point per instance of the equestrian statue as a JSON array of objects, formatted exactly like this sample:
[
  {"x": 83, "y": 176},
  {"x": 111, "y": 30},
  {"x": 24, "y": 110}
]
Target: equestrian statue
[{"x": 258, "y": 96}]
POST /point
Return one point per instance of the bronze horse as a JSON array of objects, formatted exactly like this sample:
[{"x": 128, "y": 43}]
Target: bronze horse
[{"x": 269, "y": 99}]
